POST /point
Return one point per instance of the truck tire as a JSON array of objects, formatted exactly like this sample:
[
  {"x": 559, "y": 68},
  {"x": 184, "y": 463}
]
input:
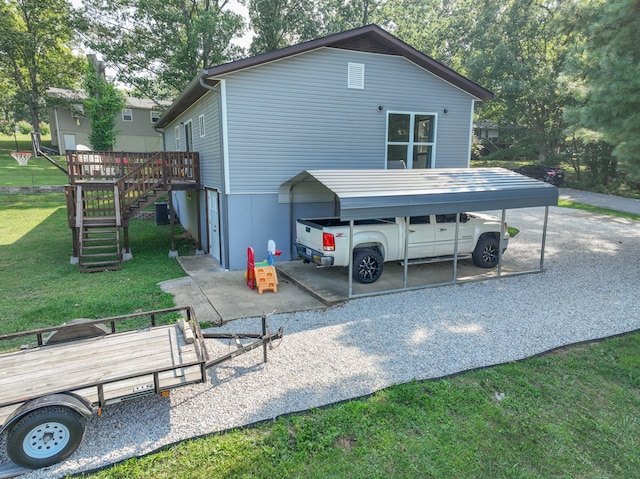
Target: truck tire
[
  {"x": 367, "y": 265},
  {"x": 486, "y": 253},
  {"x": 45, "y": 436}
]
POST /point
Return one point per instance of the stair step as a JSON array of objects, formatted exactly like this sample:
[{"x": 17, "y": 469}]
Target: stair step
[{"x": 101, "y": 247}]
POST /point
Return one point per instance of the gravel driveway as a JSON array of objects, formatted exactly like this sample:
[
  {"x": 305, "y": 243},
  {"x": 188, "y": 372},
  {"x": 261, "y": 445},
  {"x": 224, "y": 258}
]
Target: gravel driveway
[{"x": 589, "y": 290}]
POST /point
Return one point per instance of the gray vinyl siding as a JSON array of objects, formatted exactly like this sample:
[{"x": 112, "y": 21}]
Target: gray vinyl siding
[
  {"x": 297, "y": 114},
  {"x": 209, "y": 146}
]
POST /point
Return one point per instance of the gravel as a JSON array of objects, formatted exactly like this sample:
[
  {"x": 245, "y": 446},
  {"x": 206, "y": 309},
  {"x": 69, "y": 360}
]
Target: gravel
[{"x": 588, "y": 291}]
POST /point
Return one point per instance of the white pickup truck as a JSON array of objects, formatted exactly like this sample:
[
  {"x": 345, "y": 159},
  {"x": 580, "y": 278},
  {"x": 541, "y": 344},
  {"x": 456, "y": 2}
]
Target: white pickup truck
[{"x": 325, "y": 242}]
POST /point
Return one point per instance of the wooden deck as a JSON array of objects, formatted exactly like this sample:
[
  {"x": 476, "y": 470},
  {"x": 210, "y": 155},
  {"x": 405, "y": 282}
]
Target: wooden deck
[{"x": 79, "y": 366}]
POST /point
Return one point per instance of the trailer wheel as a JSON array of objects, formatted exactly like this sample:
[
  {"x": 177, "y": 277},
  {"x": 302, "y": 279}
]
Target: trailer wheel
[
  {"x": 367, "y": 265},
  {"x": 45, "y": 436}
]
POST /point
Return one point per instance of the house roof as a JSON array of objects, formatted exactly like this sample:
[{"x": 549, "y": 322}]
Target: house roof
[
  {"x": 365, "y": 194},
  {"x": 370, "y": 38},
  {"x": 78, "y": 95}
]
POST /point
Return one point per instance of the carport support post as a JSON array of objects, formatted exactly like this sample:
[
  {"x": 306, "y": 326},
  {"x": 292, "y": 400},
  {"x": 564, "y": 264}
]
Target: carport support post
[
  {"x": 500, "y": 240},
  {"x": 406, "y": 252},
  {"x": 455, "y": 249},
  {"x": 544, "y": 236},
  {"x": 351, "y": 222}
]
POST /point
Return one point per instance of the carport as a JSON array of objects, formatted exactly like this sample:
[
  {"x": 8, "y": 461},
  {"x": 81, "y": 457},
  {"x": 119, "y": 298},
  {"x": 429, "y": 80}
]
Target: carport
[{"x": 370, "y": 194}]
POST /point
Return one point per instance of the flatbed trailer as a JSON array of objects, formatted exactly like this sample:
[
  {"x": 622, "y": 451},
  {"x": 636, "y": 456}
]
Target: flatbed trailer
[{"x": 71, "y": 372}]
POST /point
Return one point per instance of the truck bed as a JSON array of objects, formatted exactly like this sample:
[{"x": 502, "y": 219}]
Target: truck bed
[{"x": 124, "y": 363}]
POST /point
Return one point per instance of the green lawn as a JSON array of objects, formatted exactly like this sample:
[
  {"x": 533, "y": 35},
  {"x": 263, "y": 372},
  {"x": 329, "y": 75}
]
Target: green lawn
[
  {"x": 571, "y": 413},
  {"x": 38, "y": 172},
  {"x": 568, "y": 414},
  {"x": 39, "y": 286}
]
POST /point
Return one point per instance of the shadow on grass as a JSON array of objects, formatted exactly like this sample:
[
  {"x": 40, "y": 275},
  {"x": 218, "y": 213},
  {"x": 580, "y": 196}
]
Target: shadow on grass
[{"x": 40, "y": 286}]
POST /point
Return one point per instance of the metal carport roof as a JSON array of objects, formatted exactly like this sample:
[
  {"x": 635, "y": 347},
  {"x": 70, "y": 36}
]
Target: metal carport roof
[
  {"x": 367, "y": 194},
  {"x": 364, "y": 194}
]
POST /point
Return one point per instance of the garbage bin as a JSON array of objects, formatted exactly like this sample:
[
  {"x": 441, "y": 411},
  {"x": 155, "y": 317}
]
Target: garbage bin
[{"x": 162, "y": 213}]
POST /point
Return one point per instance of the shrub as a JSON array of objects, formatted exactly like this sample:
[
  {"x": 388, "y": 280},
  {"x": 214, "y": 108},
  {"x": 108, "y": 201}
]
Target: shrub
[
  {"x": 24, "y": 127},
  {"x": 44, "y": 128}
]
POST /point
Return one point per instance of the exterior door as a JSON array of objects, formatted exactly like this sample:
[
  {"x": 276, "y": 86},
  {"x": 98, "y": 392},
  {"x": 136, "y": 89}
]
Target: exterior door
[
  {"x": 213, "y": 223},
  {"x": 69, "y": 142}
]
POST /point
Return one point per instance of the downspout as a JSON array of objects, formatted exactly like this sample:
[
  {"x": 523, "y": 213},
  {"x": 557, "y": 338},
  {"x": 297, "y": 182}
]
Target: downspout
[
  {"x": 224, "y": 253},
  {"x": 60, "y": 145}
]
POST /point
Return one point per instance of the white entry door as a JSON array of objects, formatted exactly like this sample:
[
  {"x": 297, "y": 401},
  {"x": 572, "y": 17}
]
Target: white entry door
[{"x": 213, "y": 223}]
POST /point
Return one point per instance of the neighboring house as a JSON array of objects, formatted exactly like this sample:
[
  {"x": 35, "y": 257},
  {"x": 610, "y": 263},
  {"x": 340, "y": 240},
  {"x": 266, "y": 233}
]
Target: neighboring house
[
  {"x": 70, "y": 127},
  {"x": 360, "y": 99}
]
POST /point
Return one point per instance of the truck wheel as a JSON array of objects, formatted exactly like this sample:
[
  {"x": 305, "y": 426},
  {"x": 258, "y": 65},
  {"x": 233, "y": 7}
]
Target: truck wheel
[
  {"x": 45, "y": 436},
  {"x": 367, "y": 265},
  {"x": 486, "y": 253}
]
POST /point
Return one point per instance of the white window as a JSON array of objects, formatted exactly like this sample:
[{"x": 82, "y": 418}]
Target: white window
[
  {"x": 355, "y": 76},
  {"x": 201, "y": 125},
  {"x": 127, "y": 114},
  {"x": 155, "y": 116},
  {"x": 410, "y": 140}
]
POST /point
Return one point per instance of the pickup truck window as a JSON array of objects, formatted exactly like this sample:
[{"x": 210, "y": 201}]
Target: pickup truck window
[{"x": 420, "y": 220}]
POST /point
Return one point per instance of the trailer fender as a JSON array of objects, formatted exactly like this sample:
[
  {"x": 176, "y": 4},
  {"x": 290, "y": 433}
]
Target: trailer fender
[{"x": 70, "y": 400}]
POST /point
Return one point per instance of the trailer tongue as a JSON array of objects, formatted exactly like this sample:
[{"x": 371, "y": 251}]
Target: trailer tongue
[{"x": 71, "y": 372}]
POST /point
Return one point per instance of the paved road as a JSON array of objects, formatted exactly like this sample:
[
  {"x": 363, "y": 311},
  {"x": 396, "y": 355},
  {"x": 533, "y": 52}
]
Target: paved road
[{"x": 618, "y": 203}]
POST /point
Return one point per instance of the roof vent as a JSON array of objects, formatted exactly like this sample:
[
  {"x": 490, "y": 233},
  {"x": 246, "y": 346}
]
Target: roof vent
[{"x": 356, "y": 76}]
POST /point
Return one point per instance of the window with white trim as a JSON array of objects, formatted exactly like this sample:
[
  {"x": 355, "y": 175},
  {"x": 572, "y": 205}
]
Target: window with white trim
[
  {"x": 155, "y": 116},
  {"x": 127, "y": 114},
  {"x": 201, "y": 125},
  {"x": 410, "y": 140}
]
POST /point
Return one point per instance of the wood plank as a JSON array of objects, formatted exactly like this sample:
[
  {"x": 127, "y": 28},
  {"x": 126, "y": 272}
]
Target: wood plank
[{"x": 67, "y": 365}]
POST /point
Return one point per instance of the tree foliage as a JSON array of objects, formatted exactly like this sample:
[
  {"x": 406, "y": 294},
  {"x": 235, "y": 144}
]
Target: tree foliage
[
  {"x": 104, "y": 102},
  {"x": 35, "y": 50},
  {"x": 603, "y": 76},
  {"x": 280, "y": 23},
  {"x": 158, "y": 46}
]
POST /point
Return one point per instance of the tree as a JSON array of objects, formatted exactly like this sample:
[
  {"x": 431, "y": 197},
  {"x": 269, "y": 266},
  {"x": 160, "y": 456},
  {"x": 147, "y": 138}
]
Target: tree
[
  {"x": 158, "y": 46},
  {"x": 517, "y": 49},
  {"x": 35, "y": 49},
  {"x": 104, "y": 102},
  {"x": 279, "y": 23},
  {"x": 603, "y": 76}
]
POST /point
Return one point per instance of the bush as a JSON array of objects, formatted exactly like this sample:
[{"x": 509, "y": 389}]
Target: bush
[
  {"x": 7, "y": 127},
  {"x": 24, "y": 127},
  {"x": 44, "y": 128}
]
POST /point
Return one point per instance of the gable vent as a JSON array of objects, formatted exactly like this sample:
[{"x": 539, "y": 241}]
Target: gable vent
[{"x": 356, "y": 76}]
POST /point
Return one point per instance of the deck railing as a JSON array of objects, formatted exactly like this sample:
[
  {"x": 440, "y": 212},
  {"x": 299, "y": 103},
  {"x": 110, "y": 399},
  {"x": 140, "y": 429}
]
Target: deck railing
[{"x": 113, "y": 165}]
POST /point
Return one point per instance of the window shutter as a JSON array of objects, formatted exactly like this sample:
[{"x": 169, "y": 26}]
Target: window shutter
[{"x": 356, "y": 76}]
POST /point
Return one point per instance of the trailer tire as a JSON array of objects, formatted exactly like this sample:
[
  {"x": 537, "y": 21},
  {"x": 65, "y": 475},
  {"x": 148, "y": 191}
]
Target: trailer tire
[
  {"x": 367, "y": 265},
  {"x": 45, "y": 436}
]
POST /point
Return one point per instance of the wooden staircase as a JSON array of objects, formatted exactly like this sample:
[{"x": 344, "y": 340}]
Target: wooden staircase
[
  {"x": 99, "y": 229},
  {"x": 106, "y": 189}
]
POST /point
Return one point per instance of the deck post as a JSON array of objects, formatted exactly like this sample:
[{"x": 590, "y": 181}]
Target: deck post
[
  {"x": 173, "y": 253},
  {"x": 199, "y": 216}
]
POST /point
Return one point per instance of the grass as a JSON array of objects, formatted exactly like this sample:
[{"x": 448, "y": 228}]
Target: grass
[
  {"x": 570, "y": 413},
  {"x": 39, "y": 172},
  {"x": 597, "y": 210},
  {"x": 39, "y": 286}
]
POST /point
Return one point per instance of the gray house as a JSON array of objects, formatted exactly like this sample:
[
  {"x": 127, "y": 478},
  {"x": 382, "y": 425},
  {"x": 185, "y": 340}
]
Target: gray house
[
  {"x": 70, "y": 127},
  {"x": 360, "y": 99}
]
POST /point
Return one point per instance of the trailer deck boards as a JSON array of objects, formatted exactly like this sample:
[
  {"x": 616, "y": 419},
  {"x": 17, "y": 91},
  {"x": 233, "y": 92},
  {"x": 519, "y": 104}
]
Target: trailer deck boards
[{"x": 78, "y": 366}]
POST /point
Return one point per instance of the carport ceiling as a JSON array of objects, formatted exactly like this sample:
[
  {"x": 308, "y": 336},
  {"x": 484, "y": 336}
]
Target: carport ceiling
[{"x": 363, "y": 194}]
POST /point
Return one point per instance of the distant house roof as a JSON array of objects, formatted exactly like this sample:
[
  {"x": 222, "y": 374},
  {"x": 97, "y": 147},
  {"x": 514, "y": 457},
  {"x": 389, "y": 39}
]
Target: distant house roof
[
  {"x": 141, "y": 103},
  {"x": 371, "y": 39}
]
